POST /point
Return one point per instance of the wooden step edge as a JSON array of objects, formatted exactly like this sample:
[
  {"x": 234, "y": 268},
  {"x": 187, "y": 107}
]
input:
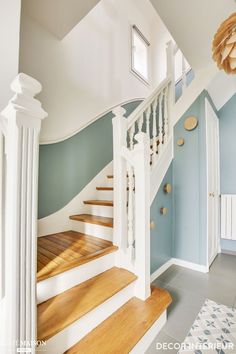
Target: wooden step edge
[
  {"x": 112, "y": 176},
  {"x": 76, "y": 263},
  {"x": 104, "y": 188},
  {"x": 93, "y": 219},
  {"x": 81, "y": 299},
  {"x": 108, "y": 203},
  {"x": 114, "y": 334}
]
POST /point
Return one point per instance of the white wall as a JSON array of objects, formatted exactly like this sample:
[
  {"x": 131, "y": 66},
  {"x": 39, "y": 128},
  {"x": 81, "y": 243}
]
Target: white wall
[
  {"x": 9, "y": 48},
  {"x": 88, "y": 72}
]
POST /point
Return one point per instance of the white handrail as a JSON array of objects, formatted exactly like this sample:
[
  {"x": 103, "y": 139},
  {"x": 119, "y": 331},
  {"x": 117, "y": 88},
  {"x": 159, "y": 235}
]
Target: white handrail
[{"x": 147, "y": 102}]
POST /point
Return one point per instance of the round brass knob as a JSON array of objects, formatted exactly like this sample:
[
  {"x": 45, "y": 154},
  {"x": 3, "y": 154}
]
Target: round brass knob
[
  {"x": 152, "y": 225},
  {"x": 167, "y": 188},
  {"x": 163, "y": 211}
]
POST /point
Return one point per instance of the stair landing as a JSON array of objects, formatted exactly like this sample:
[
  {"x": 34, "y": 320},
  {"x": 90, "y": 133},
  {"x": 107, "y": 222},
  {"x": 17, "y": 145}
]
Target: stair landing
[{"x": 60, "y": 252}]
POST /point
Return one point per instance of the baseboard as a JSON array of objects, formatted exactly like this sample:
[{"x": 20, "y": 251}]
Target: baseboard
[
  {"x": 229, "y": 252},
  {"x": 161, "y": 270},
  {"x": 181, "y": 263},
  {"x": 193, "y": 266}
]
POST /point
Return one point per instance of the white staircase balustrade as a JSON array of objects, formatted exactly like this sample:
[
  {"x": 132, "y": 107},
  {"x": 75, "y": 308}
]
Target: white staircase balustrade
[
  {"x": 139, "y": 143},
  {"x": 21, "y": 120}
]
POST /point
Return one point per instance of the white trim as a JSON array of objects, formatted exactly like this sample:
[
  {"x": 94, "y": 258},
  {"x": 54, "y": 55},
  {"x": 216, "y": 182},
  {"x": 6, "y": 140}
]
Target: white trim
[
  {"x": 208, "y": 110},
  {"x": 100, "y": 115},
  {"x": 138, "y": 75},
  {"x": 161, "y": 270},
  {"x": 190, "y": 265},
  {"x": 53, "y": 286},
  {"x": 150, "y": 335},
  {"x": 69, "y": 336},
  {"x": 181, "y": 263}
]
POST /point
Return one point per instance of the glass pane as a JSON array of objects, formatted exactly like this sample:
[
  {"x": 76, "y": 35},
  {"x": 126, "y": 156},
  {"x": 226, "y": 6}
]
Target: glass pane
[
  {"x": 140, "y": 55},
  {"x": 178, "y": 65}
]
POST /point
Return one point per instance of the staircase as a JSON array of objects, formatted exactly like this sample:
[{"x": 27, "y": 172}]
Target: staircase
[
  {"x": 95, "y": 309},
  {"x": 93, "y": 281}
]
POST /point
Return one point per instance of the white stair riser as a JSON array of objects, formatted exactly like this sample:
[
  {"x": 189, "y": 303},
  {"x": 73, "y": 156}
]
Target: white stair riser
[
  {"x": 77, "y": 330},
  {"x": 109, "y": 182},
  {"x": 99, "y": 231},
  {"x": 104, "y": 195},
  {"x": 100, "y": 210},
  {"x": 53, "y": 286}
]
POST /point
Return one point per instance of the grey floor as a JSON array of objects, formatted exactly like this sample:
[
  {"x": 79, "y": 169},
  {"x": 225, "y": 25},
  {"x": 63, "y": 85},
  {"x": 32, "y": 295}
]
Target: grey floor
[{"x": 189, "y": 289}]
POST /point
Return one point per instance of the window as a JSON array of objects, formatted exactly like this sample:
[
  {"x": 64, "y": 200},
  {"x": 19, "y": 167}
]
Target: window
[
  {"x": 181, "y": 65},
  {"x": 140, "y": 54}
]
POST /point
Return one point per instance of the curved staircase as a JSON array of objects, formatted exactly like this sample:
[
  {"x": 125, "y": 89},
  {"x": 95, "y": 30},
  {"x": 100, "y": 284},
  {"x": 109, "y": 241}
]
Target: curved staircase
[{"x": 86, "y": 304}]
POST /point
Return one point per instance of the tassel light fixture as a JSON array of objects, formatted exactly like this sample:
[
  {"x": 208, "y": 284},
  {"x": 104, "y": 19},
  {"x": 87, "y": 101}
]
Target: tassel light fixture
[{"x": 224, "y": 45}]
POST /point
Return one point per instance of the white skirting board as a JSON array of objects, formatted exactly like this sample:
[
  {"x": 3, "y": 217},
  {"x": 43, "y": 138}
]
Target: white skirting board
[{"x": 181, "y": 263}]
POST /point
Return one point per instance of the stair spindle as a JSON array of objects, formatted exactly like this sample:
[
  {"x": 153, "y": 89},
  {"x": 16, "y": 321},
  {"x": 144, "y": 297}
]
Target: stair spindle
[
  {"x": 130, "y": 210},
  {"x": 166, "y": 120},
  {"x": 154, "y": 129},
  {"x": 131, "y": 132},
  {"x": 160, "y": 123},
  {"x": 140, "y": 123}
]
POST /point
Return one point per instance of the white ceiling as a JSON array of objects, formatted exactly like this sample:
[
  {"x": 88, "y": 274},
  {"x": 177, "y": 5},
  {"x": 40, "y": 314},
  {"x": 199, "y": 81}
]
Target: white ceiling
[
  {"x": 58, "y": 16},
  {"x": 222, "y": 88},
  {"x": 193, "y": 24}
]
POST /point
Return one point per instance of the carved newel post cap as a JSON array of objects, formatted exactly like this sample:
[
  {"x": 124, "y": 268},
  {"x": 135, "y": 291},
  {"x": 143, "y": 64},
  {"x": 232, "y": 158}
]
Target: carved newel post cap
[
  {"x": 119, "y": 111},
  {"x": 27, "y": 85},
  {"x": 25, "y": 88}
]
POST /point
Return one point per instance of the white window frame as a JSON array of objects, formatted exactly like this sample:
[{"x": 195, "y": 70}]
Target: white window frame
[{"x": 135, "y": 29}]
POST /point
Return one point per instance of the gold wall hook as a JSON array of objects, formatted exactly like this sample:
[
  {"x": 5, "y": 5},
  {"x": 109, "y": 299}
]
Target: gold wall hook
[
  {"x": 152, "y": 225},
  {"x": 163, "y": 211},
  {"x": 180, "y": 142},
  {"x": 190, "y": 123},
  {"x": 167, "y": 188}
]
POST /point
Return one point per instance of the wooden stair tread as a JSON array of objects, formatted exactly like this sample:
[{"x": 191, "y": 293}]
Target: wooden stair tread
[
  {"x": 120, "y": 332},
  {"x": 104, "y": 188},
  {"x": 62, "y": 310},
  {"x": 93, "y": 219},
  {"x": 60, "y": 252},
  {"x": 99, "y": 202}
]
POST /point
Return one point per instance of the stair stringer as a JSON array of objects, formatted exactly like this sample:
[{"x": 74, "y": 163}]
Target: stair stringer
[{"x": 159, "y": 170}]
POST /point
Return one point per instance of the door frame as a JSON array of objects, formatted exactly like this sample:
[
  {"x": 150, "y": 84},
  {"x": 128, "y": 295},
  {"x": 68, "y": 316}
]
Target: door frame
[{"x": 209, "y": 110}]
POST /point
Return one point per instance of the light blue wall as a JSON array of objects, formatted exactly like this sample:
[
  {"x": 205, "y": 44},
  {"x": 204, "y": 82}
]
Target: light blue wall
[
  {"x": 65, "y": 168},
  {"x": 161, "y": 236},
  {"x": 183, "y": 233},
  {"x": 227, "y": 117},
  {"x": 189, "y": 176}
]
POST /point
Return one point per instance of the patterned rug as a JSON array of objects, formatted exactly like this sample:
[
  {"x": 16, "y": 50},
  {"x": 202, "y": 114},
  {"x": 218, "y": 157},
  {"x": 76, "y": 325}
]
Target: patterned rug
[{"x": 213, "y": 332}]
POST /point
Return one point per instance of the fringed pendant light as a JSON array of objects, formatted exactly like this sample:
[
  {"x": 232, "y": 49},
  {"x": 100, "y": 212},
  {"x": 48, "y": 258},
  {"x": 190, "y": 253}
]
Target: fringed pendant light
[{"x": 224, "y": 45}]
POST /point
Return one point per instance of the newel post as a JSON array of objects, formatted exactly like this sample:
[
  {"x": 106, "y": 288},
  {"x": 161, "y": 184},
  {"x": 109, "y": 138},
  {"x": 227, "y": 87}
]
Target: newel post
[
  {"x": 142, "y": 215},
  {"x": 120, "y": 181},
  {"x": 23, "y": 116}
]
